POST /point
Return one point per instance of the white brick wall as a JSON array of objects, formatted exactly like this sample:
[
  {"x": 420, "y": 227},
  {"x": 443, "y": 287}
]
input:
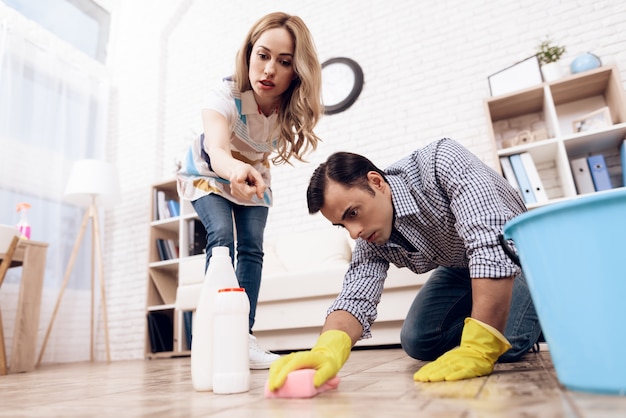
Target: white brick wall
[{"x": 426, "y": 66}]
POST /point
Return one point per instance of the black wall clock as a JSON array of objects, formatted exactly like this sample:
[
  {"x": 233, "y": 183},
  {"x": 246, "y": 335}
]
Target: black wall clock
[{"x": 342, "y": 82}]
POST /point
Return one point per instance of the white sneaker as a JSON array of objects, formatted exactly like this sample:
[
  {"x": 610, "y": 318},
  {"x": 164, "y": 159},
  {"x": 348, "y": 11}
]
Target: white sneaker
[{"x": 260, "y": 359}]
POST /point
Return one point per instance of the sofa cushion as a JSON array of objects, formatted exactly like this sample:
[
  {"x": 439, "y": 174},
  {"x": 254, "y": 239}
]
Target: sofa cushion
[
  {"x": 191, "y": 270},
  {"x": 321, "y": 281},
  {"x": 313, "y": 249},
  {"x": 271, "y": 262},
  {"x": 187, "y": 296}
]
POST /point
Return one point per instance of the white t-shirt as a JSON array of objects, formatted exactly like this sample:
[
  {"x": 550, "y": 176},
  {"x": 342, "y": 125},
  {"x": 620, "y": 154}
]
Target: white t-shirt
[{"x": 253, "y": 139}]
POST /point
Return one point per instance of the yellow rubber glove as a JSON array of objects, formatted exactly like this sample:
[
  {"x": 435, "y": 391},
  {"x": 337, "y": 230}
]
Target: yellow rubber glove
[
  {"x": 481, "y": 346},
  {"x": 329, "y": 354}
]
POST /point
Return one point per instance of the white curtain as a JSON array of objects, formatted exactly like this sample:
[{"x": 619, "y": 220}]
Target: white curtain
[{"x": 53, "y": 111}]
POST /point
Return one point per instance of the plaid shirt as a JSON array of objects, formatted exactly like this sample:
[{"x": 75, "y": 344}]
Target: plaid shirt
[{"x": 449, "y": 209}]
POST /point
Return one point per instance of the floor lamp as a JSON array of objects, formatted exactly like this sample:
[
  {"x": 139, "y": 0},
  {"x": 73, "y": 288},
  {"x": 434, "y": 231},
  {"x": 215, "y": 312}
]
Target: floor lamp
[{"x": 92, "y": 184}]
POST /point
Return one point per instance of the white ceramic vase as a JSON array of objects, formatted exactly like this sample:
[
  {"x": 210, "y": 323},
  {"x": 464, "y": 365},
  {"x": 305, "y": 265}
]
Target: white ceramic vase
[{"x": 551, "y": 71}]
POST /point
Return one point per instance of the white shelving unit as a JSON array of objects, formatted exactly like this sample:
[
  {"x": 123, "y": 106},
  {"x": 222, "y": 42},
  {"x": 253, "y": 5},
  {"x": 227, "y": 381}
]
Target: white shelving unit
[
  {"x": 165, "y": 332},
  {"x": 540, "y": 120}
]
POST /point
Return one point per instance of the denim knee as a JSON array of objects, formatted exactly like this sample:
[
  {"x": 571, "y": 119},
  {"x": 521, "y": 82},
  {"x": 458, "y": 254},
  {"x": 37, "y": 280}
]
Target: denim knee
[{"x": 417, "y": 346}]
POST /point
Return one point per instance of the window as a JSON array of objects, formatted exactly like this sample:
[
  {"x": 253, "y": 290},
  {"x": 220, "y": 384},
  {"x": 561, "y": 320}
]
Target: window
[
  {"x": 89, "y": 28},
  {"x": 52, "y": 112}
]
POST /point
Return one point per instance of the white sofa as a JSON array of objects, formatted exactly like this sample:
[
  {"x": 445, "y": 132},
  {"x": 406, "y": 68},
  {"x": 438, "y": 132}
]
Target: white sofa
[{"x": 302, "y": 274}]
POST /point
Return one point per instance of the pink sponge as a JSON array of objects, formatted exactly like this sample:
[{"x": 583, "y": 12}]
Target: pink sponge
[{"x": 299, "y": 384}]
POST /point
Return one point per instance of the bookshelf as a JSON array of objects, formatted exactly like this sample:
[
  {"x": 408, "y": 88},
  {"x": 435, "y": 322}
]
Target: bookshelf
[
  {"x": 557, "y": 122},
  {"x": 176, "y": 244}
]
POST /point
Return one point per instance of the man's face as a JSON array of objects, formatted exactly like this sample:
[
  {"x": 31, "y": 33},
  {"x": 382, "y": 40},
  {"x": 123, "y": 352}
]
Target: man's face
[{"x": 364, "y": 215}]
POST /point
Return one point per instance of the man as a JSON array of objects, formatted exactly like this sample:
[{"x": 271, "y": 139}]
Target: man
[{"x": 440, "y": 209}]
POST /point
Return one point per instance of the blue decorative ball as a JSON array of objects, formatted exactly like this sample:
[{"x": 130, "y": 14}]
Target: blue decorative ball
[{"x": 584, "y": 62}]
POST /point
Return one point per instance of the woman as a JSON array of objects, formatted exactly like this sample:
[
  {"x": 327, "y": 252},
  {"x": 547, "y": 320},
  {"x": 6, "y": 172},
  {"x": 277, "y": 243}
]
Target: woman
[{"x": 265, "y": 112}]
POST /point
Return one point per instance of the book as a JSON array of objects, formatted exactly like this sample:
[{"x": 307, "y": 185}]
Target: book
[
  {"x": 533, "y": 177},
  {"x": 599, "y": 172},
  {"x": 582, "y": 176},
  {"x": 156, "y": 342},
  {"x": 163, "y": 211},
  {"x": 172, "y": 249},
  {"x": 507, "y": 171},
  {"x": 188, "y": 320},
  {"x": 526, "y": 189},
  {"x": 174, "y": 207},
  {"x": 191, "y": 230},
  {"x": 155, "y": 205},
  {"x": 197, "y": 237},
  {"x": 163, "y": 254},
  {"x": 161, "y": 332}
]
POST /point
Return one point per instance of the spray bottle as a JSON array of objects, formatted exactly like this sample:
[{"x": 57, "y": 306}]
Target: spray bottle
[{"x": 23, "y": 226}]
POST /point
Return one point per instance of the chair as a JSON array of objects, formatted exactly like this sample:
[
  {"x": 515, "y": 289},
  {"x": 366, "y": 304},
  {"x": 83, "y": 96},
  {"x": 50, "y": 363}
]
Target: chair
[{"x": 9, "y": 239}]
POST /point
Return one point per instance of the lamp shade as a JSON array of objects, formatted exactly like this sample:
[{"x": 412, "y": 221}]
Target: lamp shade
[{"x": 92, "y": 179}]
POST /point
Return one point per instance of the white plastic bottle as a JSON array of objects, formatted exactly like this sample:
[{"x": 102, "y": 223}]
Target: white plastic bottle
[
  {"x": 231, "y": 372},
  {"x": 220, "y": 274}
]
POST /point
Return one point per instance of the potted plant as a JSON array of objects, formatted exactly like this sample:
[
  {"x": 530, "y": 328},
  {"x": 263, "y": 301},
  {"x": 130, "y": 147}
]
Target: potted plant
[{"x": 548, "y": 55}]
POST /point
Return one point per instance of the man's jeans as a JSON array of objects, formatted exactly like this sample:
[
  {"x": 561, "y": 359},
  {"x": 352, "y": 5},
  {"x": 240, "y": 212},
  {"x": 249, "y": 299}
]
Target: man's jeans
[
  {"x": 435, "y": 320},
  {"x": 217, "y": 215}
]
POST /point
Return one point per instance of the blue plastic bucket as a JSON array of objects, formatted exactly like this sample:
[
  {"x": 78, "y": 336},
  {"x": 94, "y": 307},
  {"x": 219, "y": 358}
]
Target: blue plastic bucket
[{"x": 574, "y": 259}]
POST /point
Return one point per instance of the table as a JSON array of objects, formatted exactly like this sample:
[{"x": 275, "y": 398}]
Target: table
[{"x": 31, "y": 255}]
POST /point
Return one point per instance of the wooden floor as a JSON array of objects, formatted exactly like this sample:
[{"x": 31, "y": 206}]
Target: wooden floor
[{"x": 374, "y": 383}]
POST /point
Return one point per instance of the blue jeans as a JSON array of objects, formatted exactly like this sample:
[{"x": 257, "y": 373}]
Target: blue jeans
[
  {"x": 435, "y": 320},
  {"x": 217, "y": 215}
]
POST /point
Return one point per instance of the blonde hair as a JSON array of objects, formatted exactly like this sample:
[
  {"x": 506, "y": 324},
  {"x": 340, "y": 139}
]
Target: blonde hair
[{"x": 301, "y": 105}]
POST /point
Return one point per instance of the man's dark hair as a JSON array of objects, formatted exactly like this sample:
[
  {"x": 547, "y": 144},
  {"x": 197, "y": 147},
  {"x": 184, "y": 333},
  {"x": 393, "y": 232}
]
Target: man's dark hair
[{"x": 345, "y": 168}]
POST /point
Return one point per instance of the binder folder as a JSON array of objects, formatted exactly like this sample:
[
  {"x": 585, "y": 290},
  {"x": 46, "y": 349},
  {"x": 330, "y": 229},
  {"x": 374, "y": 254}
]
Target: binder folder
[
  {"x": 582, "y": 176},
  {"x": 533, "y": 177},
  {"x": 599, "y": 173},
  {"x": 507, "y": 171},
  {"x": 623, "y": 155},
  {"x": 522, "y": 179}
]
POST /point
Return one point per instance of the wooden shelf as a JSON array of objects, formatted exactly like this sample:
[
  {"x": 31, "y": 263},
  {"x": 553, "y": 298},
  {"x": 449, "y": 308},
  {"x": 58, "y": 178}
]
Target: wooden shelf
[
  {"x": 540, "y": 121},
  {"x": 165, "y": 335}
]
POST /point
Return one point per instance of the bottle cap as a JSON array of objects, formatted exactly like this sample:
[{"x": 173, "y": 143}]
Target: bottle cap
[
  {"x": 220, "y": 251},
  {"x": 232, "y": 289}
]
